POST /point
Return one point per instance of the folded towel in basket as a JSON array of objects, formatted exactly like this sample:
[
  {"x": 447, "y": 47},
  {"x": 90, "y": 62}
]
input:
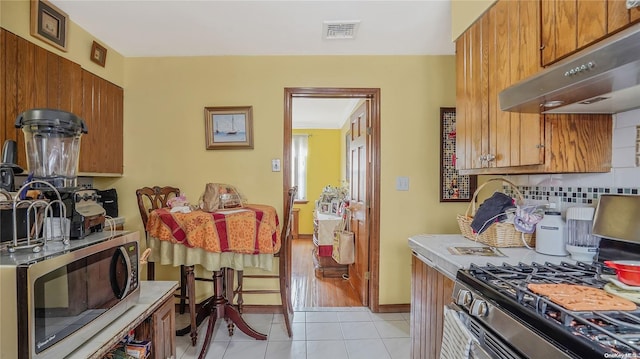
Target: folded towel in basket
[
  {"x": 491, "y": 210},
  {"x": 456, "y": 339}
]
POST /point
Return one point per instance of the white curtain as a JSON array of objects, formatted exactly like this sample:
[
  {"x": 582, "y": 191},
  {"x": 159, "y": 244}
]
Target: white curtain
[{"x": 300, "y": 144}]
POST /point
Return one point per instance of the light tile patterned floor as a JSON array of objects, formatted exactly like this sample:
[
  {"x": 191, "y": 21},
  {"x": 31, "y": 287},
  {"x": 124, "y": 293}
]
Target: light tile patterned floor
[{"x": 318, "y": 333}]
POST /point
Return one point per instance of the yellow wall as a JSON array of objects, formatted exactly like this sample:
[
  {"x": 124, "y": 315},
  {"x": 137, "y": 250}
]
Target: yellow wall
[
  {"x": 164, "y": 141},
  {"x": 164, "y": 135},
  {"x": 323, "y": 168},
  {"x": 465, "y": 12},
  {"x": 15, "y": 17}
]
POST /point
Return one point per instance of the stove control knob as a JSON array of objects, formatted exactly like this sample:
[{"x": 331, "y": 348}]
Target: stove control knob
[
  {"x": 464, "y": 298},
  {"x": 479, "y": 308}
]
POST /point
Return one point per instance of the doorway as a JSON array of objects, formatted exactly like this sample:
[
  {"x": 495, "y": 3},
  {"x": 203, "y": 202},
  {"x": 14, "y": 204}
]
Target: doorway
[{"x": 370, "y": 199}]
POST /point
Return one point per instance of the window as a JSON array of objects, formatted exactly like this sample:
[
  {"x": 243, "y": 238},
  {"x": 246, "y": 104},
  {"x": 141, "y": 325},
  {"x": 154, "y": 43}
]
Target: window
[{"x": 300, "y": 144}]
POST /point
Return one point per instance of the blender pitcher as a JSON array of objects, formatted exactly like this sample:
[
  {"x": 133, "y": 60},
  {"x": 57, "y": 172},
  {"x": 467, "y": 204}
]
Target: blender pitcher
[
  {"x": 581, "y": 243},
  {"x": 52, "y": 141}
]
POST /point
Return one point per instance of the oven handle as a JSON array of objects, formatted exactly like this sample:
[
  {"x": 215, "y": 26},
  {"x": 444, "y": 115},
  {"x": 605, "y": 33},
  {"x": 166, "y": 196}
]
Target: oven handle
[{"x": 477, "y": 352}]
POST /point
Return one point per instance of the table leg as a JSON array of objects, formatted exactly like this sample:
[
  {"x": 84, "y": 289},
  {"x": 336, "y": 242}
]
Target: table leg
[{"x": 219, "y": 307}]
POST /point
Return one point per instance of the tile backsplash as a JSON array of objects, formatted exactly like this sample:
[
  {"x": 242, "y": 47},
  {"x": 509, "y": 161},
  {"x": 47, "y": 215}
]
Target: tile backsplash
[
  {"x": 570, "y": 195},
  {"x": 585, "y": 188}
]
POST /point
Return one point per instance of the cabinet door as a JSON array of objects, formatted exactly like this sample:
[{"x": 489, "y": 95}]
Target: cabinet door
[
  {"x": 164, "y": 327},
  {"x": 463, "y": 102},
  {"x": 571, "y": 25},
  {"x": 526, "y": 130},
  {"x": 101, "y": 148},
  {"x": 619, "y": 17},
  {"x": 430, "y": 292},
  {"x": 33, "y": 77},
  {"x": 515, "y": 139},
  {"x": 472, "y": 87}
]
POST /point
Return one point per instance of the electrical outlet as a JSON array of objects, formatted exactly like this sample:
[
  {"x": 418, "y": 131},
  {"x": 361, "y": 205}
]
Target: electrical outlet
[{"x": 275, "y": 165}]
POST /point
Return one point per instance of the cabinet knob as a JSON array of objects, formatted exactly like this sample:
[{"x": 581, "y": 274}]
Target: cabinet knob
[
  {"x": 490, "y": 157},
  {"x": 542, "y": 47},
  {"x": 539, "y": 146}
]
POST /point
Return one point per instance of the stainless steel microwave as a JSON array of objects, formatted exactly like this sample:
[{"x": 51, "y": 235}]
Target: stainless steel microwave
[{"x": 61, "y": 299}]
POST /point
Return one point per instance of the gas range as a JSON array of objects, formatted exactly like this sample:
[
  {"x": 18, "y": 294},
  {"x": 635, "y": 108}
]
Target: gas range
[
  {"x": 510, "y": 321},
  {"x": 535, "y": 327}
]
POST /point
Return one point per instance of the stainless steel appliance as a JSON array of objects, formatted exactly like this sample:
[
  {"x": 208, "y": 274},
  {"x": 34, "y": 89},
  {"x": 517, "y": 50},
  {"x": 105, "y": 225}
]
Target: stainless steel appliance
[
  {"x": 603, "y": 78},
  {"x": 52, "y": 140},
  {"x": 9, "y": 167},
  {"x": 64, "y": 295},
  {"x": 510, "y": 321}
]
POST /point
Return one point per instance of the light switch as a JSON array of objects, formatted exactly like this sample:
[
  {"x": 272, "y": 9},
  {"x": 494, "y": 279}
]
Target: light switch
[
  {"x": 402, "y": 183},
  {"x": 275, "y": 165}
]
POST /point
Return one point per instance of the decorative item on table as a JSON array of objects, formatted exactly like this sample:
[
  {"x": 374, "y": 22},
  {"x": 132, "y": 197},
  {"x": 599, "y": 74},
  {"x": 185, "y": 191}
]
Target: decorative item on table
[
  {"x": 220, "y": 196},
  {"x": 179, "y": 204},
  {"x": 333, "y": 199},
  {"x": 494, "y": 222}
]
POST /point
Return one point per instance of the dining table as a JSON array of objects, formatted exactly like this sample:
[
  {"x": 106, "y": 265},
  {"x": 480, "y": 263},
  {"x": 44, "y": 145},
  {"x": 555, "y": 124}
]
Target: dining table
[{"x": 221, "y": 242}]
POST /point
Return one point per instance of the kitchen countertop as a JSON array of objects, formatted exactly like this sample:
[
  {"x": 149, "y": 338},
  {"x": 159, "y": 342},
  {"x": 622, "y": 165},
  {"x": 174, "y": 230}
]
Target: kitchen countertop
[
  {"x": 54, "y": 248},
  {"x": 433, "y": 250},
  {"x": 152, "y": 295}
]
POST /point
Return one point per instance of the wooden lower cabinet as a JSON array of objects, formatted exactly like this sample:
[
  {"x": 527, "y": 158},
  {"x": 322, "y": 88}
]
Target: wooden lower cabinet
[
  {"x": 430, "y": 292},
  {"x": 160, "y": 329},
  {"x": 164, "y": 328}
]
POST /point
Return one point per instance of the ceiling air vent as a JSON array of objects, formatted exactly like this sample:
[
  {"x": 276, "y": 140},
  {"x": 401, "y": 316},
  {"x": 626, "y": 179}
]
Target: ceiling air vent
[{"x": 333, "y": 30}]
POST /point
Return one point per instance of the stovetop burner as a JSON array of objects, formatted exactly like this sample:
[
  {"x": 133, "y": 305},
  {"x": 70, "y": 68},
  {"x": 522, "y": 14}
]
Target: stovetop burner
[{"x": 614, "y": 332}]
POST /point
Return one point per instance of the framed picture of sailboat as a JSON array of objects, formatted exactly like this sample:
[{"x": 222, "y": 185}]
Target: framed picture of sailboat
[{"x": 228, "y": 127}]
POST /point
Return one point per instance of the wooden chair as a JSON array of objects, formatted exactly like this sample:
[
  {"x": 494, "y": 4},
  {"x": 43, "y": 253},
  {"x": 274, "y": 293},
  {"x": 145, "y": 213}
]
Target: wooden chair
[
  {"x": 284, "y": 268},
  {"x": 150, "y": 198}
]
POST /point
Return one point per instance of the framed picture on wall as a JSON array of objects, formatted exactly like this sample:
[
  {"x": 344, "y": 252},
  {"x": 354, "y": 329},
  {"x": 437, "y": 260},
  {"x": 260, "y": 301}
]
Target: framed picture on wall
[
  {"x": 229, "y": 127},
  {"x": 49, "y": 24},
  {"x": 454, "y": 187}
]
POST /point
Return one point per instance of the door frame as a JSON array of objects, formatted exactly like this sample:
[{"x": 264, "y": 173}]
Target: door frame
[{"x": 373, "y": 190}]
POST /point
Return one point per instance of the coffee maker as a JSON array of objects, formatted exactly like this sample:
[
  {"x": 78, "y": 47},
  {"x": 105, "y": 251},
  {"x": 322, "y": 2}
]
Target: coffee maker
[
  {"x": 9, "y": 167},
  {"x": 52, "y": 141}
]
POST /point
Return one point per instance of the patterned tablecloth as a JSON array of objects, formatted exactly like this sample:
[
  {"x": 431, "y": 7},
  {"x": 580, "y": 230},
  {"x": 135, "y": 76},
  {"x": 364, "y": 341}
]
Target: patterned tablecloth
[{"x": 236, "y": 238}]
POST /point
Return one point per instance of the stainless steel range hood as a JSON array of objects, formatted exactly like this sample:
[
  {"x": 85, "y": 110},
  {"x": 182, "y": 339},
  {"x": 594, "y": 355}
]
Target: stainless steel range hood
[{"x": 603, "y": 78}]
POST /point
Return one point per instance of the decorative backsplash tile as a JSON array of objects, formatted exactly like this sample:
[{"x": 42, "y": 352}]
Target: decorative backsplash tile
[{"x": 577, "y": 195}]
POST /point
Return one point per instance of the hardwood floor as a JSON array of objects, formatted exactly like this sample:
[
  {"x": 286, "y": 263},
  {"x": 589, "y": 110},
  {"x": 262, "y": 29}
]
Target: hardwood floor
[{"x": 308, "y": 291}]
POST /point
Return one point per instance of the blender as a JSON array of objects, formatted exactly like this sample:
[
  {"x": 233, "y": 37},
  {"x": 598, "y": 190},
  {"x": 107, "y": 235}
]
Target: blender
[
  {"x": 52, "y": 141},
  {"x": 581, "y": 243}
]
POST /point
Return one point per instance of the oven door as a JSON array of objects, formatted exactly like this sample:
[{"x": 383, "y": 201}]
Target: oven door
[{"x": 486, "y": 343}]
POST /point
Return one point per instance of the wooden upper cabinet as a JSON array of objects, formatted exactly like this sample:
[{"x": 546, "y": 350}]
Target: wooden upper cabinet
[
  {"x": 101, "y": 148},
  {"x": 498, "y": 50},
  {"x": 32, "y": 77},
  {"x": 571, "y": 25}
]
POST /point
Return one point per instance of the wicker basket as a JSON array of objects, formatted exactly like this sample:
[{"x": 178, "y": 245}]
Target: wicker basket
[{"x": 498, "y": 234}]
